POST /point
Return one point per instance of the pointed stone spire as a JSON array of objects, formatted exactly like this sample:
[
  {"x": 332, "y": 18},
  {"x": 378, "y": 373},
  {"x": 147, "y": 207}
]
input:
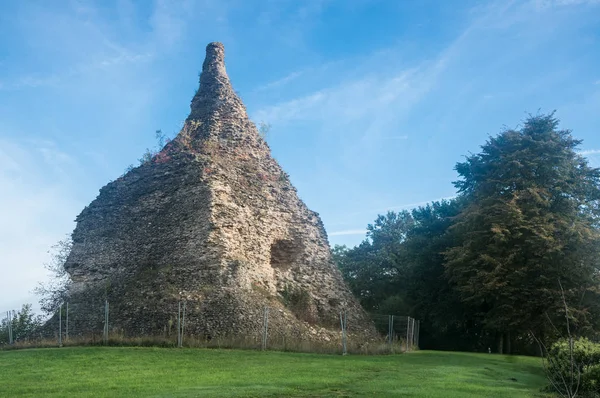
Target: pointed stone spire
[
  {"x": 214, "y": 74},
  {"x": 215, "y": 94},
  {"x": 212, "y": 218}
]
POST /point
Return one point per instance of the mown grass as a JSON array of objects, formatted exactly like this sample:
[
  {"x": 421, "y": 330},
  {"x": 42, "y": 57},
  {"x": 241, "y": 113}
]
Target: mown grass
[{"x": 160, "y": 372}]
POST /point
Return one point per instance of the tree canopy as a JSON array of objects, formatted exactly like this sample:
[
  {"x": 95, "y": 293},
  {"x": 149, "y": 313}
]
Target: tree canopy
[{"x": 486, "y": 268}]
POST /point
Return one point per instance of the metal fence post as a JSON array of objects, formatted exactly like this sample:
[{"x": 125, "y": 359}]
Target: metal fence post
[
  {"x": 106, "y": 322},
  {"x": 412, "y": 334},
  {"x": 183, "y": 323},
  {"x": 265, "y": 328},
  {"x": 9, "y": 327},
  {"x": 408, "y": 334},
  {"x": 179, "y": 324},
  {"x": 389, "y": 329},
  {"x": 60, "y": 325},
  {"x": 67, "y": 325},
  {"x": 10, "y": 320},
  {"x": 344, "y": 324}
]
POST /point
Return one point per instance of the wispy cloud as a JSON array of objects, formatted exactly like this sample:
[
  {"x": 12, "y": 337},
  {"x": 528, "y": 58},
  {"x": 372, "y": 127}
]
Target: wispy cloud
[
  {"x": 76, "y": 71},
  {"x": 543, "y": 4},
  {"x": 293, "y": 76},
  {"x": 348, "y": 232},
  {"x": 39, "y": 208},
  {"x": 169, "y": 20},
  {"x": 93, "y": 40},
  {"x": 395, "y": 137},
  {"x": 382, "y": 210},
  {"x": 367, "y": 108},
  {"x": 30, "y": 81},
  {"x": 588, "y": 152},
  {"x": 409, "y": 206},
  {"x": 356, "y": 99},
  {"x": 281, "y": 82},
  {"x": 88, "y": 43}
]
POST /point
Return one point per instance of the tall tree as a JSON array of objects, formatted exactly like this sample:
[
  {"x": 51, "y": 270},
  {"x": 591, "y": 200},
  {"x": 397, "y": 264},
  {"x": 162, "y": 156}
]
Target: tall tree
[
  {"x": 55, "y": 290},
  {"x": 376, "y": 269},
  {"x": 531, "y": 220},
  {"x": 446, "y": 322}
]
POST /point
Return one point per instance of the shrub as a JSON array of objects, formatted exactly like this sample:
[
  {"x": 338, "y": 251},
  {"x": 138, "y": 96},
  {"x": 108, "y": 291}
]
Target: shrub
[{"x": 577, "y": 369}]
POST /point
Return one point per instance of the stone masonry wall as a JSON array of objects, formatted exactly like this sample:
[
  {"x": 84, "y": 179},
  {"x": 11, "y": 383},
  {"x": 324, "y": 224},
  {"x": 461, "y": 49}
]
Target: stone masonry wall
[{"x": 212, "y": 220}]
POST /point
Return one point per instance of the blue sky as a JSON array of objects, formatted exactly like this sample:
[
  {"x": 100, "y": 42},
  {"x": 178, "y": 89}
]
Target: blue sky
[{"x": 371, "y": 103}]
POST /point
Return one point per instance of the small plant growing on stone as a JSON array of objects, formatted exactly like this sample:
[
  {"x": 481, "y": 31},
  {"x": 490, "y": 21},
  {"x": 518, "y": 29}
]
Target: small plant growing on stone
[
  {"x": 298, "y": 300},
  {"x": 154, "y": 155},
  {"x": 284, "y": 177}
]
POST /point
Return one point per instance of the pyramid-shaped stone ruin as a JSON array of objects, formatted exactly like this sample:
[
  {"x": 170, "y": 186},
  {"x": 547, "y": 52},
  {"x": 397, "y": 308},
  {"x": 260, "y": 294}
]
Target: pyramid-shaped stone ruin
[{"x": 213, "y": 221}]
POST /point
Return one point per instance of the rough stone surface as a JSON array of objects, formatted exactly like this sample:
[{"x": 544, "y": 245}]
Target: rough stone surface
[{"x": 214, "y": 221}]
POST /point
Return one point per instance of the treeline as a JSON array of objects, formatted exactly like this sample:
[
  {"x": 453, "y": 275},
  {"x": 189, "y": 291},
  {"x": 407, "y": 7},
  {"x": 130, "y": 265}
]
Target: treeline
[{"x": 490, "y": 268}]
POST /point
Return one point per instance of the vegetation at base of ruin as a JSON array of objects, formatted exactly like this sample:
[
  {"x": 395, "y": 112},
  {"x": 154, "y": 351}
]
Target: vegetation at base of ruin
[
  {"x": 141, "y": 372},
  {"x": 484, "y": 270},
  {"x": 298, "y": 301},
  {"x": 24, "y": 323},
  {"x": 277, "y": 341},
  {"x": 261, "y": 290}
]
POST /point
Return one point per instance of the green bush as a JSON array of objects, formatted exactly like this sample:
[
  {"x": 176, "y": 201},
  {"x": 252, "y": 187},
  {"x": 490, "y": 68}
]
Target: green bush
[{"x": 585, "y": 364}]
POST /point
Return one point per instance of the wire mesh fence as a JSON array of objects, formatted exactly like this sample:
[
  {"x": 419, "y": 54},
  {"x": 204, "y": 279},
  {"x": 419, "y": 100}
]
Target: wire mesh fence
[
  {"x": 401, "y": 333},
  {"x": 95, "y": 324}
]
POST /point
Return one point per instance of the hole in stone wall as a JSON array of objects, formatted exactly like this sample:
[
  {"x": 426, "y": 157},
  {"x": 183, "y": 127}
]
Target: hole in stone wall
[{"x": 284, "y": 253}]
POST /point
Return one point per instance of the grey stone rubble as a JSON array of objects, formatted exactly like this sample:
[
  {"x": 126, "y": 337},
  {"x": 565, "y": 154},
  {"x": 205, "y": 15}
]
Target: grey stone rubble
[{"x": 212, "y": 220}]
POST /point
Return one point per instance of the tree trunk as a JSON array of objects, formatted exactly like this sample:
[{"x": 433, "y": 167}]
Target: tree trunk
[
  {"x": 538, "y": 347},
  {"x": 507, "y": 344},
  {"x": 500, "y": 342}
]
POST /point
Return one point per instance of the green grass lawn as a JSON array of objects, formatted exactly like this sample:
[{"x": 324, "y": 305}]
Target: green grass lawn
[{"x": 163, "y": 372}]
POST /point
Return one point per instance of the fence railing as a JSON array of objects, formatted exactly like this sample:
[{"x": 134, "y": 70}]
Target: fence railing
[{"x": 92, "y": 325}]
